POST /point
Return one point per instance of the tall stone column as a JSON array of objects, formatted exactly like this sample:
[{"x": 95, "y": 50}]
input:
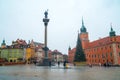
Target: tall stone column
[{"x": 46, "y": 59}]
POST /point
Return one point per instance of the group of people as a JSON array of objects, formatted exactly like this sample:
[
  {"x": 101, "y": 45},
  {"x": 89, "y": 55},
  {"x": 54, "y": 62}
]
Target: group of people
[
  {"x": 64, "y": 64},
  {"x": 58, "y": 63}
]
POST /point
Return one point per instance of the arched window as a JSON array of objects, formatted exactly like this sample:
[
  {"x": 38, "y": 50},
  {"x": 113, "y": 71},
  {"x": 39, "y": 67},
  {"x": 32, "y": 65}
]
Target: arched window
[
  {"x": 14, "y": 60},
  {"x": 103, "y": 56},
  {"x": 10, "y": 60},
  {"x": 118, "y": 46},
  {"x": 106, "y": 55},
  {"x": 111, "y": 54},
  {"x": 110, "y": 46}
]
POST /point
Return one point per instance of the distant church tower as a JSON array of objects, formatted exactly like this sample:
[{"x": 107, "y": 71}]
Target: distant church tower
[
  {"x": 69, "y": 49},
  {"x": 84, "y": 35},
  {"x": 112, "y": 32},
  {"x": 3, "y": 45}
]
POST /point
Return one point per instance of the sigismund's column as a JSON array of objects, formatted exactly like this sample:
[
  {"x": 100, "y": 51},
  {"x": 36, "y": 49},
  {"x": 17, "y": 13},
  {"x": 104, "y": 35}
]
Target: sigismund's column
[{"x": 46, "y": 20}]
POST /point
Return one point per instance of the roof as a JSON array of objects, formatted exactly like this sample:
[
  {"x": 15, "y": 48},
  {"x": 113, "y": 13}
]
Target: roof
[
  {"x": 56, "y": 52},
  {"x": 72, "y": 50},
  {"x": 103, "y": 41},
  {"x": 37, "y": 43}
]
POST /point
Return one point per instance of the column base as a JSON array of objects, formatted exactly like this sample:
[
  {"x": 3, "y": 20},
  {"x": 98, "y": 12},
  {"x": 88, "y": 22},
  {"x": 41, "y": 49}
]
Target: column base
[{"x": 46, "y": 62}]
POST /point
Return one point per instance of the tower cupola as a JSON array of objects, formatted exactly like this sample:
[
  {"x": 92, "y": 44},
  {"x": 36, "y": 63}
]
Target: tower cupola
[
  {"x": 3, "y": 45},
  {"x": 112, "y": 32},
  {"x": 69, "y": 48},
  {"x": 83, "y": 29}
]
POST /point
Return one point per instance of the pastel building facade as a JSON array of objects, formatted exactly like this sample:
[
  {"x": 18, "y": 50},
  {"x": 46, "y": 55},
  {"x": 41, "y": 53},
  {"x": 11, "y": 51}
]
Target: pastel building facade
[
  {"x": 57, "y": 56},
  {"x": 12, "y": 54},
  {"x": 19, "y": 51}
]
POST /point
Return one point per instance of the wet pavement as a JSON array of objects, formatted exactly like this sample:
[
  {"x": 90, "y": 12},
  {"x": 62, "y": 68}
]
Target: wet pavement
[{"x": 31, "y": 72}]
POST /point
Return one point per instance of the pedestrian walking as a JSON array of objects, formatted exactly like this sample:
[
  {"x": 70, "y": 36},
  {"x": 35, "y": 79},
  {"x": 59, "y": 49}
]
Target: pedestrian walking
[
  {"x": 58, "y": 63},
  {"x": 49, "y": 63},
  {"x": 64, "y": 64}
]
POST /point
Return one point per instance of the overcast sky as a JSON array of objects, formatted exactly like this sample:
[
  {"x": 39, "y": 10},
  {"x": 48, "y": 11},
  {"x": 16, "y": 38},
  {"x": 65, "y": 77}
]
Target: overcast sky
[{"x": 23, "y": 19}]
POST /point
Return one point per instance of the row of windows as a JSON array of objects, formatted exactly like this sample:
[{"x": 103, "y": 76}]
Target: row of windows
[
  {"x": 99, "y": 55},
  {"x": 11, "y": 55},
  {"x": 13, "y": 60},
  {"x": 15, "y": 51},
  {"x": 15, "y": 55},
  {"x": 99, "y": 48},
  {"x": 102, "y": 48},
  {"x": 12, "y": 51},
  {"x": 99, "y": 61}
]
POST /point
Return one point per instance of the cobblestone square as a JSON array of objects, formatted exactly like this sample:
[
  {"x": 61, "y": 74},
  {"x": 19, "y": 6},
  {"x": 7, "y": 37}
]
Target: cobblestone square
[{"x": 31, "y": 72}]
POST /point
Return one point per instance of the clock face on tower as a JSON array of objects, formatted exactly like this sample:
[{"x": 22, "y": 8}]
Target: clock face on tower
[{"x": 85, "y": 37}]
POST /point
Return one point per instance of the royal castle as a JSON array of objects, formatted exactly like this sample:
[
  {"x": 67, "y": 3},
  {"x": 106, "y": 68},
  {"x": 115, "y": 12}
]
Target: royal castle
[{"x": 101, "y": 51}]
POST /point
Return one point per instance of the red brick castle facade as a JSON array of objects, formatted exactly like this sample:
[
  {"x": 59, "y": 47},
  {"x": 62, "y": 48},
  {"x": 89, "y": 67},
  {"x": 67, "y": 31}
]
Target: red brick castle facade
[{"x": 101, "y": 51}]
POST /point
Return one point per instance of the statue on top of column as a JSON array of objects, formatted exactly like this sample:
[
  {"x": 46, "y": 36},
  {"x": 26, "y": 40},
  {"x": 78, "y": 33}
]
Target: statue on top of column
[{"x": 46, "y": 14}]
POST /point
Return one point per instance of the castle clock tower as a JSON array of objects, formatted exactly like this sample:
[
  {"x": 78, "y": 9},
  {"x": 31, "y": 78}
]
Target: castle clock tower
[{"x": 84, "y": 35}]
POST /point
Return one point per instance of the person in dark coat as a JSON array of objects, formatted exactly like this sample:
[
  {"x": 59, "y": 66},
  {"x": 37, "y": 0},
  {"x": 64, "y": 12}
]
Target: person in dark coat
[
  {"x": 49, "y": 63},
  {"x": 58, "y": 63},
  {"x": 64, "y": 64}
]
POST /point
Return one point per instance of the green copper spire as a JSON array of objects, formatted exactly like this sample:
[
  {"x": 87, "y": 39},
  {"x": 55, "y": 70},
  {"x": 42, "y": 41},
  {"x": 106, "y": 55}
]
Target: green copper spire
[
  {"x": 69, "y": 48},
  {"x": 82, "y": 22},
  {"x": 3, "y": 43},
  {"x": 112, "y": 32},
  {"x": 83, "y": 29}
]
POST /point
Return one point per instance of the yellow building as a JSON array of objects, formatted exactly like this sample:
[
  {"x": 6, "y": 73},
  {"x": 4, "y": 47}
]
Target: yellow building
[{"x": 30, "y": 53}]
